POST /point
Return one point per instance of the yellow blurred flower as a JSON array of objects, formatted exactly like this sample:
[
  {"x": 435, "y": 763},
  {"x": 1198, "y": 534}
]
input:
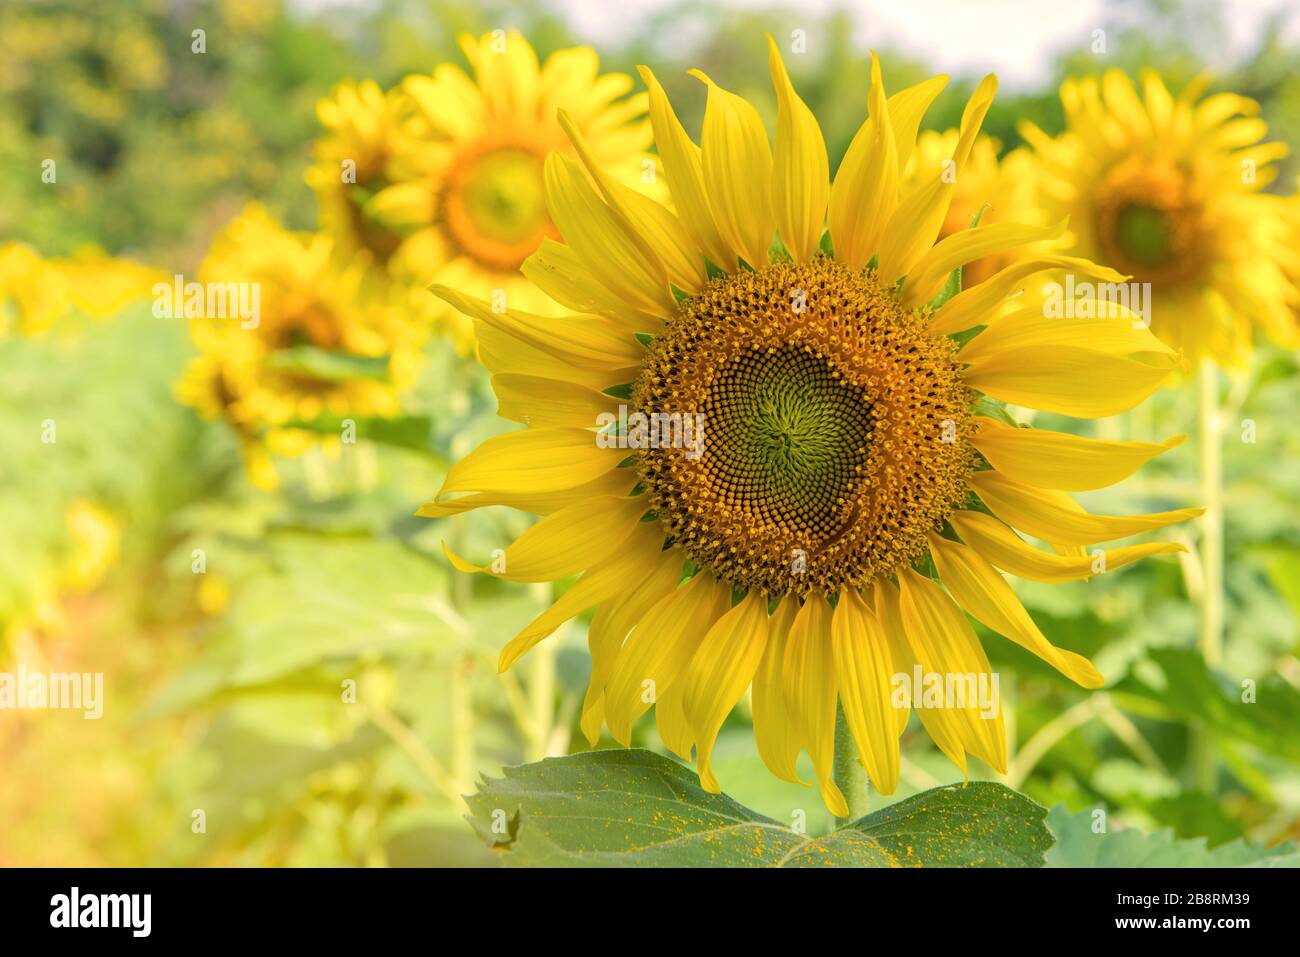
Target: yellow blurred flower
[
  {"x": 322, "y": 344},
  {"x": 467, "y": 170},
  {"x": 351, "y": 162},
  {"x": 95, "y": 538},
  {"x": 36, "y": 292},
  {"x": 1169, "y": 190},
  {"x": 996, "y": 190}
]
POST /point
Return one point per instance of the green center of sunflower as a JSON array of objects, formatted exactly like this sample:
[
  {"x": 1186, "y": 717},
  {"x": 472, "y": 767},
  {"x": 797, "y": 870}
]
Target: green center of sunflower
[
  {"x": 1144, "y": 234},
  {"x": 493, "y": 204},
  {"x": 834, "y": 429},
  {"x": 1150, "y": 222}
]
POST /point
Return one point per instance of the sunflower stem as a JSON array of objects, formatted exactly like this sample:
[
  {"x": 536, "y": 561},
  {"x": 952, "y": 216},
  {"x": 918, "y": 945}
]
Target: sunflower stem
[
  {"x": 1202, "y": 764},
  {"x": 847, "y": 771}
]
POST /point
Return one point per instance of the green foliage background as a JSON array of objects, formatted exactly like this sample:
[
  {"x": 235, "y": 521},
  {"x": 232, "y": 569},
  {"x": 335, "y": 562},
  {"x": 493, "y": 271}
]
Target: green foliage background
[{"x": 231, "y": 707}]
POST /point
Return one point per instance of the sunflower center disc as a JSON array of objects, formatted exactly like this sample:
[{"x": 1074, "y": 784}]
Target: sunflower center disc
[
  {"x": 1150, "y": 223},
  {"x": 834, "y": 429},
  {"x": 493, "y": 204}
]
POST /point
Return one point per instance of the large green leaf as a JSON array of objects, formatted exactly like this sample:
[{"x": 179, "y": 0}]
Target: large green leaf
[
  {"x": 635, "y": 808},
  {"x": 1078, "y": 846}
]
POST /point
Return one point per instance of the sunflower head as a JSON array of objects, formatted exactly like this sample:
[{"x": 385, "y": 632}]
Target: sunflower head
[
  {"x": 769, "y": 436},
  {"x": 321, "y": 343},
  {"x": 1170, "y": 191},
  {"x": 467, "y": 185}
]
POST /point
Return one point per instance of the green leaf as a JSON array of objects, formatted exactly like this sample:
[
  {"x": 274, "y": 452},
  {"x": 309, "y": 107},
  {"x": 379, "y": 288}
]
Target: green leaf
[
  {"x": 635, "y": 809},
  {"x": 1078, "y": 846},
  {"x": 404, "y": 431},
  {"x": 328, "y": 365}
]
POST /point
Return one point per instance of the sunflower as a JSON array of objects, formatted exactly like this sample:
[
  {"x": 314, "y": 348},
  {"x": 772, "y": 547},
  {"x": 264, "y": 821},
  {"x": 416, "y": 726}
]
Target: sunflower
[
  {"x": 468, "y": 169},
  {"x": 1170, "y": 191},
  {"x": 322, "y": 345},
  {"x": 990, "y": 190},
  {"x": 35, "y": 293},
  {"x": 351, "y": 163},
  {"x": 856, "y": 489}
]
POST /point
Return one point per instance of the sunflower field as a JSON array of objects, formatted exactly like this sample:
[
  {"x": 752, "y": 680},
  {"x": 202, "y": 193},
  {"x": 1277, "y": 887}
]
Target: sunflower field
[{"x": 480, "y": 434}]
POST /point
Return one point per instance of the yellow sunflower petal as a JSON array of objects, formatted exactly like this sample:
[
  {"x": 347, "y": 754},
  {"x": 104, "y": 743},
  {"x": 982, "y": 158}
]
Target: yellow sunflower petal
[
  {"x": 916, "y": 221},
  {"x": 1059, "y": 460},
  {"x": 800, "y": 170},
  {"x": 944, "y": 643},
  {"x": 540, "y": 402},
  {"x": 738, "y": 173},
  {"x": 809, "y": 682},
  {"x": 778, "y": 744},
  {"x": 531, "y": 461},
  {"x": 864, "y": 673},
  {"x": 865, "y": 191},
  {"x": 597, "y": 237},
  {"x": 906, "y": 110},
  {"x": 884, "y": 605},
  {"x": 1007, "y": 550},
  {"x": 931, "y": 270},
  {"x": 1052, "y": 517},
  {"x": 978, "y": 588},
  {"x": 974, "y": 306},
  {"x": 563, "y": 543},
  {"x": 685, "y": 173},
  {"x": 659, "y": 649},
  {"x": 721, "y": 670},
  {"x": 610, "y": 625},
  {"x": 598, "y": 584},
  {"x": 655, "y": 231}
]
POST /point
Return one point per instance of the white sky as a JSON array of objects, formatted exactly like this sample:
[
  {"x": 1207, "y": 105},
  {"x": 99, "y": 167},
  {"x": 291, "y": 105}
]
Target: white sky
[{"x": 1017, "y": 38}]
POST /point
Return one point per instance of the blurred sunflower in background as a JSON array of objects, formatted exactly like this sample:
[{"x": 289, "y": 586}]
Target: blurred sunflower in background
[
  {"x": 466, "y": 169},
  {"x": 324, "y": 345},
  {"x": 991, "y": 189},
  {"x": 350, "y": 165},
  {"x": 1170, "y": 191},
  {"x": 853, "y": 485},
  {"x": 35, "y": 292}
]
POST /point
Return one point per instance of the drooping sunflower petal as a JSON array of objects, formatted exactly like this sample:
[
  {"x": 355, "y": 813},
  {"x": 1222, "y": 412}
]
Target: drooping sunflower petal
[
  {"x": 610, "y": 625},
  {"x": 564, "y": 542},
  {"x": 884, "y": 604},
  {"x": 737, "y": 162},
  {"x": 721, "y": 670},
  {"x": 800, "y": 170},
  {"x": 1007, "y": 550},
  {"x": 1055, "y": 517},
  {"x": 945, "y": 644},
  {"x": 864, "y": 673},
  {"x": 810, "y": 693},
  {"x": 774, "y": 732},
  {"x": 658, "y": 650},
  {"x": 1059, "y": 460},
  {"x": 978, "y": 588},
  {"x": 598, "y": 584}
]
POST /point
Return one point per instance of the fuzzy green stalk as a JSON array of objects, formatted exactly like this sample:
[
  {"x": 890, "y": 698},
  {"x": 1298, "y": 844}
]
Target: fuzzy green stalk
[
  {"x": 847, "y": 771},
  {"x": 1202, "y": 760}
]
